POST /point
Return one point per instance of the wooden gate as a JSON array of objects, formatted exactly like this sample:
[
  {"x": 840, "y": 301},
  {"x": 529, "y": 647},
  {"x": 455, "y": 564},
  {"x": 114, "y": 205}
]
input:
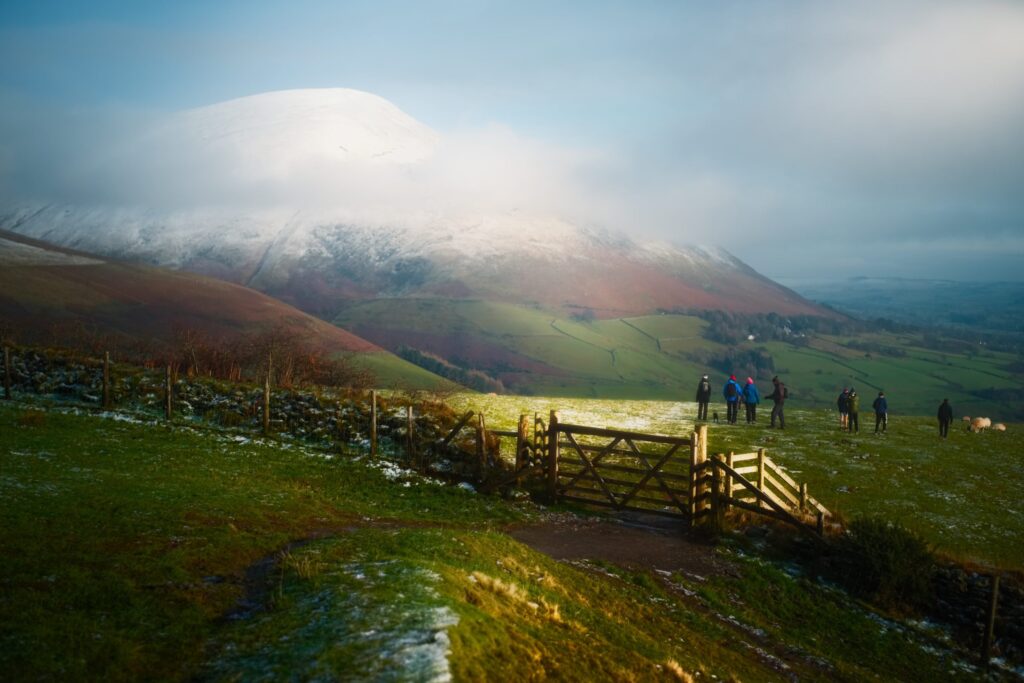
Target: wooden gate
[
  {"x": 621, "y": 469},
  {"x": 657, "y": 474}
]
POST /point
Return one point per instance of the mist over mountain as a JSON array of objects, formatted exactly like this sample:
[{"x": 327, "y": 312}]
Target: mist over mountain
[{"x": 319, "y": 196}]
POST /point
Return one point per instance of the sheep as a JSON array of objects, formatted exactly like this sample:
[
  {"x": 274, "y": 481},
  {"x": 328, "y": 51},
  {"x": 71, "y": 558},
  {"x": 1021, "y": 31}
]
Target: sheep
[
  {"x": 999, "y": 427},
  {"x": 979, "y": 424}
]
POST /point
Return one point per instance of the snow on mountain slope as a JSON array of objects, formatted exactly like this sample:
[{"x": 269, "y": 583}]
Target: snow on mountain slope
[{"x": 286, "y": 215}]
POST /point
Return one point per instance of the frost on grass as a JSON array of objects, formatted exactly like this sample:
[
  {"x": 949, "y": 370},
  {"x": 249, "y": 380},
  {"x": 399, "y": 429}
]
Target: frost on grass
[{"x": 380, "y": 621}]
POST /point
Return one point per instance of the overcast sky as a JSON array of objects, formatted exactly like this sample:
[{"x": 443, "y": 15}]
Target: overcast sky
[{"x": 811, "y": 139}]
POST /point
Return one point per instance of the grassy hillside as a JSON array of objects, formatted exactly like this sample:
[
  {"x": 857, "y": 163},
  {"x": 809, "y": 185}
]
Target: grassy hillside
[
  {"x": 135, "y": 551},
  {"x": 51, "y": 296},
  {"x": 662, "y": 356}
]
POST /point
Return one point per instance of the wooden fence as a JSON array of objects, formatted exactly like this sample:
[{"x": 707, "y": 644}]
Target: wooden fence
[{"x": 612, "y": 468}]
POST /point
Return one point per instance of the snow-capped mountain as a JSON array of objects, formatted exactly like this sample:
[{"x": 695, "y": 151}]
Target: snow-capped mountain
[{"x": 290, "y": 193}]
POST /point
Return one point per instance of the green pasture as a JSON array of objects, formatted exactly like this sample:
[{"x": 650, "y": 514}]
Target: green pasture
[
  {"x": 662, "y": 356},
  {"x": 134, "y": 550}
]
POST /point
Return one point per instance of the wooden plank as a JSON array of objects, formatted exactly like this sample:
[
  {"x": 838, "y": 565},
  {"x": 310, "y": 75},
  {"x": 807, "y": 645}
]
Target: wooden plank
[
  {"x": 749, "y": 469},
  {"x": 621, "y": 434},
  {"x": 780, "y": 490},
  {"x": 818, "y": 506},
  {"x": 613, "y": 482},
  {"x": 502, "y": 432},
  {"x": 744, "y": 457},
  {"x": 781, "y": 472},
  {"x": 621, "y": 503},
  {"x": 615, "y": 451},
  {"x": 650, "y": 511},
  {"x": 653, "y": 472},
  {"x": 624, "y": 469},
  {"x": 590, "y": 465},
  {"x": 457, "y": 428},
  {"x": 768, "y": 512},
  {"x": 784, "y": 514}
]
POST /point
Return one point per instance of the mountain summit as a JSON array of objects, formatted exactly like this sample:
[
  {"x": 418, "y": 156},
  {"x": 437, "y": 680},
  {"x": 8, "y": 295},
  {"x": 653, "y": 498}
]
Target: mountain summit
[{"x": 325, "y": 196}]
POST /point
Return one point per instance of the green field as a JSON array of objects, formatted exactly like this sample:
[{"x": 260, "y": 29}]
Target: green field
[
  {"x": 663, "y": 356},
  {"x": 134, "y": 550}
]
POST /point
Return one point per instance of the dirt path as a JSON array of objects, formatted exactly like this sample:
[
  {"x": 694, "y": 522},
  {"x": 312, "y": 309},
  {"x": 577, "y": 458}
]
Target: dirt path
[{"x": 635, "y": 541}]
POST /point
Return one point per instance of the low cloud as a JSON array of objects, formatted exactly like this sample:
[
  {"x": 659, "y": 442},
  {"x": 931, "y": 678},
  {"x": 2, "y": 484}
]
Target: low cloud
[{"x": 806, "y": 139}]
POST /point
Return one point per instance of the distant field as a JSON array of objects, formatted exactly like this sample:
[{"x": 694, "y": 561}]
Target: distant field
[
  {"x": 659, "y": 357},
  {"x": 963, "y": 493}
]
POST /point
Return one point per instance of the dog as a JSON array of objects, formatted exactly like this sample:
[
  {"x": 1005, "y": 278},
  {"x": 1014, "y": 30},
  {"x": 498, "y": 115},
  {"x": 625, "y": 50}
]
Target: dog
[{"x": 714, "y": 416}]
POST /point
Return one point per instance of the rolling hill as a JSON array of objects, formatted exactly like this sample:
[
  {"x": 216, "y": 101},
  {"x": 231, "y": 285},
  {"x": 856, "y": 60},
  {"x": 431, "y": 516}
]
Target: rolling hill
[
  {"x": 46, "y": 291},
  {"x": 531, "y": 351}
]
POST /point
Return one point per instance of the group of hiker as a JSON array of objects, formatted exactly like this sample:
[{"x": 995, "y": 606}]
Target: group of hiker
[
  {"x": 848, "y": 404},
  {"x": 849, "y": 410},
  {"x": 748, "y": 395}
]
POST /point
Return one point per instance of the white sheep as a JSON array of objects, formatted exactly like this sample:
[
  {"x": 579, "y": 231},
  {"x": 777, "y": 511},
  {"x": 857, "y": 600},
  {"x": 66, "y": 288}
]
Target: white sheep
[
  {"x": 999, "y": 427},
  {"x": 979, "y": 424}
]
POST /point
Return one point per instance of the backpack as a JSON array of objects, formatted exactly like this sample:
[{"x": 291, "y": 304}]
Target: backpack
[
  {"x": 785, "y": 391},
  {"x": 705, "y": 386},
  {"x": 730, "y": 390}
]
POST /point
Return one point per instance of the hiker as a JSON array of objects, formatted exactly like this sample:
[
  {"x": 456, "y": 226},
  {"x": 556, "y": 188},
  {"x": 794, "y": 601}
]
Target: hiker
[
  {"x": 751, "y": 398},
  {"x": 853, "y": 407},
  {"x": 732, "y": 392},
  {"x": 945, "y": 417},
  {"x": 843, "y": 403},
  {"x": 778, "y": 397},
  {"x": 881, "y": 407},
  {"x": 703, "y": 397}
]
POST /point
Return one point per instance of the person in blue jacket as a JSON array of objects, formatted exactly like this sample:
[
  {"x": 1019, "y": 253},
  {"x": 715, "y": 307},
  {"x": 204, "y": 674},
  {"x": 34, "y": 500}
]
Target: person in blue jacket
[
  {"x": 751, "y": 398},
  {"x": 881, "y": 407},
  {"x": 732, "y": 392}
]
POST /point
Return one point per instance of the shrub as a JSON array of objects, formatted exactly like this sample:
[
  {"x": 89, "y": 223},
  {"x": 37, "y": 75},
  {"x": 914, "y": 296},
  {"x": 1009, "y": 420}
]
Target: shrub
[{"x": 885, "y": 563}]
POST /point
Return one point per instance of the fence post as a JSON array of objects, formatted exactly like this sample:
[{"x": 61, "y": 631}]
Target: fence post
[
  {"x": 169, "y": 393},
  {"x": 820, "y": 523},
  {"x": 520, "y": 443},
  {"x": 716, "y": 509},
  {"x": 408, "y": 429},
  {"x": 986, "y": 643},
  {"x": 760, "y": 473},
  {"x": 106, "y": 379},
  {"x": 373, "y": 423},
  {"x": 481, "y": 455},
  {"x": 698, "y": 455},
  {"x": 7, "y": 372},
  {"x": 803, "y": 496},
  {"x": 727, "y": 502},
  {"x": 553, "y": 456},
  {"x": 266, "y": 404}
]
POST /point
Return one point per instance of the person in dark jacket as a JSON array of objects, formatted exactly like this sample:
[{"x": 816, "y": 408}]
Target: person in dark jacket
[
  {"x": 778, "y": 397},
  {"x": 853, "y": 404},
  {"x": 703, "y": 397},
  {"x": 843, "y": 404},
  {"x": 945, "y": 417},
  {"x": 881, "y": 407},
  {"x": 732, "y": 392},
  {"x": 751, "y": 398}
]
